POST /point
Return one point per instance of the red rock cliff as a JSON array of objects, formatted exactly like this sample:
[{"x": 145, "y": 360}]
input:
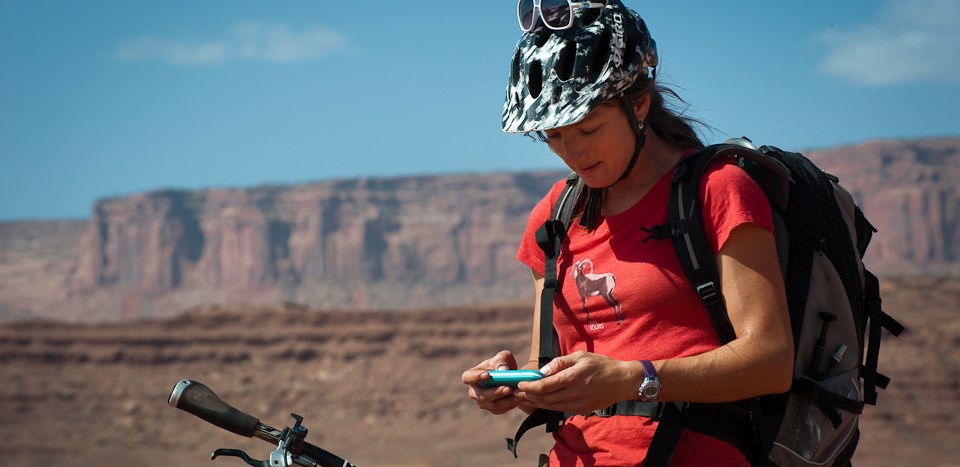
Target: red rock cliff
[
  {"x": 910, "y": 191},
  {"x": 413, "y": 242},
  {"x": 303, "y": 242}
]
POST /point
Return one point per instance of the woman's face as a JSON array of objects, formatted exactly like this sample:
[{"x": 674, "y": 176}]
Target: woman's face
[{"x": 597, "y": 148}]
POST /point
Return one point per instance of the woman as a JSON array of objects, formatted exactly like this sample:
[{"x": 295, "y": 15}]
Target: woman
[{"x": 585, "y": 83}]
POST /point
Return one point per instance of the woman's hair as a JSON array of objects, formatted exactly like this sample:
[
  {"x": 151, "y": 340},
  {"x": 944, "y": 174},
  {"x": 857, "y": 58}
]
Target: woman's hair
[{"x": 666, "y": 116}]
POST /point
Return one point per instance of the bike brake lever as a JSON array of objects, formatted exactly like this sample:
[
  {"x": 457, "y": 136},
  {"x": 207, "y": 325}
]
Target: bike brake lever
[{"x": 240, "y": 454}]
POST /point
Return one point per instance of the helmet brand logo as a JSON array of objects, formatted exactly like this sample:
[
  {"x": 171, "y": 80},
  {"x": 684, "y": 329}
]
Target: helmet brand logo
[{"x": 617, "y": 57}]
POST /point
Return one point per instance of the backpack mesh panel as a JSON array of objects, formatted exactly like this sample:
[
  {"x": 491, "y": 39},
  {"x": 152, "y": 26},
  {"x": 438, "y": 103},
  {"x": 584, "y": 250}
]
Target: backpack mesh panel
[{"x": 807, "y": 437}]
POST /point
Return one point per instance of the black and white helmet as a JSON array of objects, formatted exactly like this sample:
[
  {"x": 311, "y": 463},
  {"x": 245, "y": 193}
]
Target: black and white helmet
[{"x": 558, "y": 76}]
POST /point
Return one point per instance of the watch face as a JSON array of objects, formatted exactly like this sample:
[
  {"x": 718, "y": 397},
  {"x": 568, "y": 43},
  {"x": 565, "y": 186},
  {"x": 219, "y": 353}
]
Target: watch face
[
  {"x": 650, "y": 387},
  {"x": 649, "y": 390}
]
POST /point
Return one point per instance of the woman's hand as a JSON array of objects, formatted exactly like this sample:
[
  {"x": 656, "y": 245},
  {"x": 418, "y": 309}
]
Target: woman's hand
[
  {"x": 498, "y": 399},
  {"x": 580, "y": 383}
]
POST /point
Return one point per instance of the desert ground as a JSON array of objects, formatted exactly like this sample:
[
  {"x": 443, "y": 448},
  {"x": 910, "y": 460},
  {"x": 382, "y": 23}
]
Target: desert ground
[{"x": 378, "y": 388}]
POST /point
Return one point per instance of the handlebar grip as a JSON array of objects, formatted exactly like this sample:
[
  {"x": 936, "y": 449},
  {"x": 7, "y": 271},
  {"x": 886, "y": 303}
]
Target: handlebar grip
[{"x": 195, "y": 398}]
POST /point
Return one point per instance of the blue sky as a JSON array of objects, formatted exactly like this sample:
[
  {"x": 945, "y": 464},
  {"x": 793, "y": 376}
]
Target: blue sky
[{"x": 107, "y": 98}]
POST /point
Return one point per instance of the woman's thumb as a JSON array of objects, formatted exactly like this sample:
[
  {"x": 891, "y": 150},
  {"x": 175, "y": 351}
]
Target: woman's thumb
[{"x": 554, "y": 366}]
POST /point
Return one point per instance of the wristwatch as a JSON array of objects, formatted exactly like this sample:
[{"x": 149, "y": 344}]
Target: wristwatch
[{"x": 650, "y": 387}]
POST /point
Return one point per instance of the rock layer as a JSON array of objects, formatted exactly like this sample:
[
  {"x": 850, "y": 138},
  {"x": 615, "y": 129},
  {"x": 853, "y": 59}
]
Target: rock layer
[{"x": 395, "y": 243}]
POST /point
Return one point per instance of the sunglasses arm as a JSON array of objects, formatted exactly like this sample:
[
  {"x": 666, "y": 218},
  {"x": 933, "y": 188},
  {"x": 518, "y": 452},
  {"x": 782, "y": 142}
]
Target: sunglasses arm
[{"x": 585, "y": 5}]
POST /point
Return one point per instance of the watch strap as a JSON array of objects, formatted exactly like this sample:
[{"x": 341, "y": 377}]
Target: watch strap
[
  {"x": 648, "y": 369},
  {"x": 650, "y": 387}
]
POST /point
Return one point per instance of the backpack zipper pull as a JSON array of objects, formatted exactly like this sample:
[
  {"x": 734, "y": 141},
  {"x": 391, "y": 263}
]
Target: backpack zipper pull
[
  {"x": 835, "y": 360},
  {"x": 827, "y": 318}
]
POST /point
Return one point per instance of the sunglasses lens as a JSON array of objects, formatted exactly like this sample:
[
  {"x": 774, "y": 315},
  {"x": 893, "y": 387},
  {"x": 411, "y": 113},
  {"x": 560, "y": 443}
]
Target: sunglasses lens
[
  {"x": 556, "y": 13},
  {"x": 525, "y": 13}
]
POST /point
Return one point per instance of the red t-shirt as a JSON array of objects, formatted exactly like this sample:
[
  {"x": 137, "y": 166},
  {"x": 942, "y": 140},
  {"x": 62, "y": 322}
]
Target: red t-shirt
[{"x": 660, "y": 316}]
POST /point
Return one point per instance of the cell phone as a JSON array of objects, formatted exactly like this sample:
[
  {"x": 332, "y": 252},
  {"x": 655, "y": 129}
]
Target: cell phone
[{"x": 510, "y": 377}]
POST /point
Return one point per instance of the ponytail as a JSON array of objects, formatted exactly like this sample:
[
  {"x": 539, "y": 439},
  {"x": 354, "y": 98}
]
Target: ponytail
[{"x": 665, "y": 117}]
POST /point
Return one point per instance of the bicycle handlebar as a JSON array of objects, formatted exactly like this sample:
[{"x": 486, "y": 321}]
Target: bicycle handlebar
[{"x": 197, "y": 399}]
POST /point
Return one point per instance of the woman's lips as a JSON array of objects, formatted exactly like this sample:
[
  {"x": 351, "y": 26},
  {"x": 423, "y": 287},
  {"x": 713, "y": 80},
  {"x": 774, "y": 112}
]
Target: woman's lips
[{"x": 590, "y": 168}]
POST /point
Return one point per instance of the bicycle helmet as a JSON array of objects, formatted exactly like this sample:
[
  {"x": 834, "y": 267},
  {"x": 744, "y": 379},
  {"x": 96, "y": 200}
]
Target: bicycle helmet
[{"x": 557, "y": 77}]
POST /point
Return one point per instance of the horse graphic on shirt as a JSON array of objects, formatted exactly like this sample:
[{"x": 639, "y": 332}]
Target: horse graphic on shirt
[{"x": 592, "y": 285}]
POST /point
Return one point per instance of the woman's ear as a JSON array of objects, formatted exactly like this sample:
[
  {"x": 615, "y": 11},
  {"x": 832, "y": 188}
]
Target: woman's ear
[{"x": 641, "y": 107}]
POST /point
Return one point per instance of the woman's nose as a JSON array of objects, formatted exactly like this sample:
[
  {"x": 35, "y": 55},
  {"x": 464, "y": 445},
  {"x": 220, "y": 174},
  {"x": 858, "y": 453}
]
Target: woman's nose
[{"x": 572, "y": 149}]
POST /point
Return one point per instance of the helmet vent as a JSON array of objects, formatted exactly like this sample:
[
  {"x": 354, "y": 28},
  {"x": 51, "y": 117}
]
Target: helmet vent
[
  {"x": 542, "y": 37},
  {"x": 598, "y": 56},
  {"x": 515, "y": 70},
  {"x": 535, "y": 79},
  {"x": 566, "y": 61},
  {"x": 590, "y": 15}
]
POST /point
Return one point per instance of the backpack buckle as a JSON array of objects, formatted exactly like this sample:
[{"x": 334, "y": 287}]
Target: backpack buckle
[
  {"x": 709, "y": 294},
  {"x": 662, "y": 231}
]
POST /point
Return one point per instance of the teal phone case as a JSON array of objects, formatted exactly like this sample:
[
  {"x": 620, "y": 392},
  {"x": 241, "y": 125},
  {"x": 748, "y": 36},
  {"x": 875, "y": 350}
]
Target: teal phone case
[{"x": 510, "y": 377}]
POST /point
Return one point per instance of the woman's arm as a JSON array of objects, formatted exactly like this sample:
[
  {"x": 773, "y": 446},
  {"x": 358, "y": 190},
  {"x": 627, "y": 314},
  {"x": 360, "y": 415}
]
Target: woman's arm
[
  {"x": 533, "y": 363},
  {"x": 759, "y": 361}
]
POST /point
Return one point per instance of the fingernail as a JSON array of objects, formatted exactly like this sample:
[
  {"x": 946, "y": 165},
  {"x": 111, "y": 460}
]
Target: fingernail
[{"x": 503, "y": 367}]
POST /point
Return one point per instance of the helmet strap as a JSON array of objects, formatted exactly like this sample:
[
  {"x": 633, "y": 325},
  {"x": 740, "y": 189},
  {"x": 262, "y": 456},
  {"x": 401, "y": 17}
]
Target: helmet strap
[
  {"x": 638, "y": 131},
  {"x": 594, "y": 203}
]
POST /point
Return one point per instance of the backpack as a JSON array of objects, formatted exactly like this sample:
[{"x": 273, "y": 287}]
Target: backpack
[{"x": 834, "y": 306}]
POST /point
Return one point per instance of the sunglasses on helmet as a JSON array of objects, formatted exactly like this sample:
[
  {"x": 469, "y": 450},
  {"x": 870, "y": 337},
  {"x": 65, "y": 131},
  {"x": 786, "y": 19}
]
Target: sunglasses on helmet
[{"x": 555, "y": 14}]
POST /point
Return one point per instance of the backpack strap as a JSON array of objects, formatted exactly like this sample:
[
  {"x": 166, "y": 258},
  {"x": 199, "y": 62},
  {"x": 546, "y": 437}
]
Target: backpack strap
[
  {"x": 550, "y": 238},
  {"x": 665, "y": 438},
  {"x": 685, "y": 228},
  {"x": 685, "y": 218},
  {"x": 828, "y": 402},
  {"x": 690, "y": 240},
  {"x": 537, "y": 418},
  {"x": 878, "y": 319},
  {"x": 569, "y": 199}
]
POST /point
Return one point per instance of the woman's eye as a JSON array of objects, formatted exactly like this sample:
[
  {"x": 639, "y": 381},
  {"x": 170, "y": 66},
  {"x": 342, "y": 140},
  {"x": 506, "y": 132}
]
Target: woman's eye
[{"x": 589, "y": 131}]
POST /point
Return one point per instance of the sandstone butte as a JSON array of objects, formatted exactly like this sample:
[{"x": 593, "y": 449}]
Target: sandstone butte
[{"x": 392, "y": 243}]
